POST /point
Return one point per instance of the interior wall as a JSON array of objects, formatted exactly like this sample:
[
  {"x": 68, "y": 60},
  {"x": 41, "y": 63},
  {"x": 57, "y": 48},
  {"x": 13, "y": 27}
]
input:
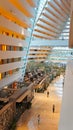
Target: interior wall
[{"x": 66, "y": 116}]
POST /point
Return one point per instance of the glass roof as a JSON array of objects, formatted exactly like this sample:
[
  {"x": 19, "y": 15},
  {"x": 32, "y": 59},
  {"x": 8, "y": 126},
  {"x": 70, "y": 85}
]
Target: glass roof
[
  {"x": 40, "y": 8},
  {"x": 52, "y": 24}
]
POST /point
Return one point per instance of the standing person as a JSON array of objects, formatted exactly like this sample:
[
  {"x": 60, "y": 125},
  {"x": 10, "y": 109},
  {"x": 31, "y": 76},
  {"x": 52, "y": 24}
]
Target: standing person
[
  {"x": 53, "y": 108},
  {"x": 38, "y": 118},
  {"x": 47, "y": 93}
]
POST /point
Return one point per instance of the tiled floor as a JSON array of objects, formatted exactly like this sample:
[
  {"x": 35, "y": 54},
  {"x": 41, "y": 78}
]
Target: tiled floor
[{"x": 42, "y": 105}]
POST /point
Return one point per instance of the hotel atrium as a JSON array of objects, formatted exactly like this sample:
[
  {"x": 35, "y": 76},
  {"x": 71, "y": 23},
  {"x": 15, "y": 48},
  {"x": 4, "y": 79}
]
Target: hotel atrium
[{"x": 34, "y": 31}]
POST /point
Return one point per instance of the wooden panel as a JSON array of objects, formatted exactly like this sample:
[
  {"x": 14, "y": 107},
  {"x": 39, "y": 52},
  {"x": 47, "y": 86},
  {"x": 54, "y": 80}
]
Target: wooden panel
[{"x": 71, "y": 32}]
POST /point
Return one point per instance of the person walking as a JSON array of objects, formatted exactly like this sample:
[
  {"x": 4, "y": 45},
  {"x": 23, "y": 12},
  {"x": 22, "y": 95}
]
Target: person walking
[
  {"x": 38, "y": 118},
  {"x": 53, "y": 108},
  {"x": 47, "y": 93}
]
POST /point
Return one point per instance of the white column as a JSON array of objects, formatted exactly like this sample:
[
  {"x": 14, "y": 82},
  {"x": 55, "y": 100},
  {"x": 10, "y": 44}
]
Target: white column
[{"x": 66, "y": 117}]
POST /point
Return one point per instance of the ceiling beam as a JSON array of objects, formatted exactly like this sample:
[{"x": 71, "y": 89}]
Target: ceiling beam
[
  {"x": 49, "y": 29},
  {"x": 41, "y": 37},
  {"x": 62, "y": 7},
  {"x": 56, "y": 15},
  {"x": 65, "y": 3},
  {"x": 49, "y": 43}
]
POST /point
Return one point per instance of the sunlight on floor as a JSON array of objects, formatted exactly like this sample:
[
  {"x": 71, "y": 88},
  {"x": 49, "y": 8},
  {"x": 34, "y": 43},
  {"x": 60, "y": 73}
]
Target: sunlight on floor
[{"x": 42, "y": 105}]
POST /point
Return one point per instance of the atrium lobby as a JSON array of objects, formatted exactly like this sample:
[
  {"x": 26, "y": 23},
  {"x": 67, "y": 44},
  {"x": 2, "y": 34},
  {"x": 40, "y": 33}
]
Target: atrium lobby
[{"x": 36, "y": 64}]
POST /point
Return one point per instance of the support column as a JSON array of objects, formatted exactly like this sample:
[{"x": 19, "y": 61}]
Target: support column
[
  {"x": 66, "y": 116},
  {"x": 71, "y": 27}
]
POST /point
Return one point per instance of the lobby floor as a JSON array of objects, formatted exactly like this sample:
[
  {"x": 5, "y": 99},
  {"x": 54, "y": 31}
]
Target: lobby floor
[{"x": 42, "y": 105}]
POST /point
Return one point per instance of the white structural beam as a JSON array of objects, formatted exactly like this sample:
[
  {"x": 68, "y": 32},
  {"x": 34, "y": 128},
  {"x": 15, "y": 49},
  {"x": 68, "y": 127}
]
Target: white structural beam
[
  {"x": 12, "y": 54},
  {"x": 50, "y": 43},
  {"x": 12, "y": 41},
  {"x": 11, "y": 66}
]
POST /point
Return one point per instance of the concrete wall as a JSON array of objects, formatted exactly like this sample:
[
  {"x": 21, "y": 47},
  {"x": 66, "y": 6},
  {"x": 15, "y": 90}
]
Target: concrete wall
[{"x": 66, "y": 118}]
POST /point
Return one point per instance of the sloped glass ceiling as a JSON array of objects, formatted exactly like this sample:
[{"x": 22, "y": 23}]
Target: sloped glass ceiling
[
  {"x": 66, "y": 29},
  {"x": 53, "y": 18},
  {"x": 52, "y": 23},
  {"x": 40, "y": 8}
]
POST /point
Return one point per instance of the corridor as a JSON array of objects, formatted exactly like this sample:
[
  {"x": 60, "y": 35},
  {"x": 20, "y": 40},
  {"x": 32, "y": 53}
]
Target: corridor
[{"x": 42, "y": 105}]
